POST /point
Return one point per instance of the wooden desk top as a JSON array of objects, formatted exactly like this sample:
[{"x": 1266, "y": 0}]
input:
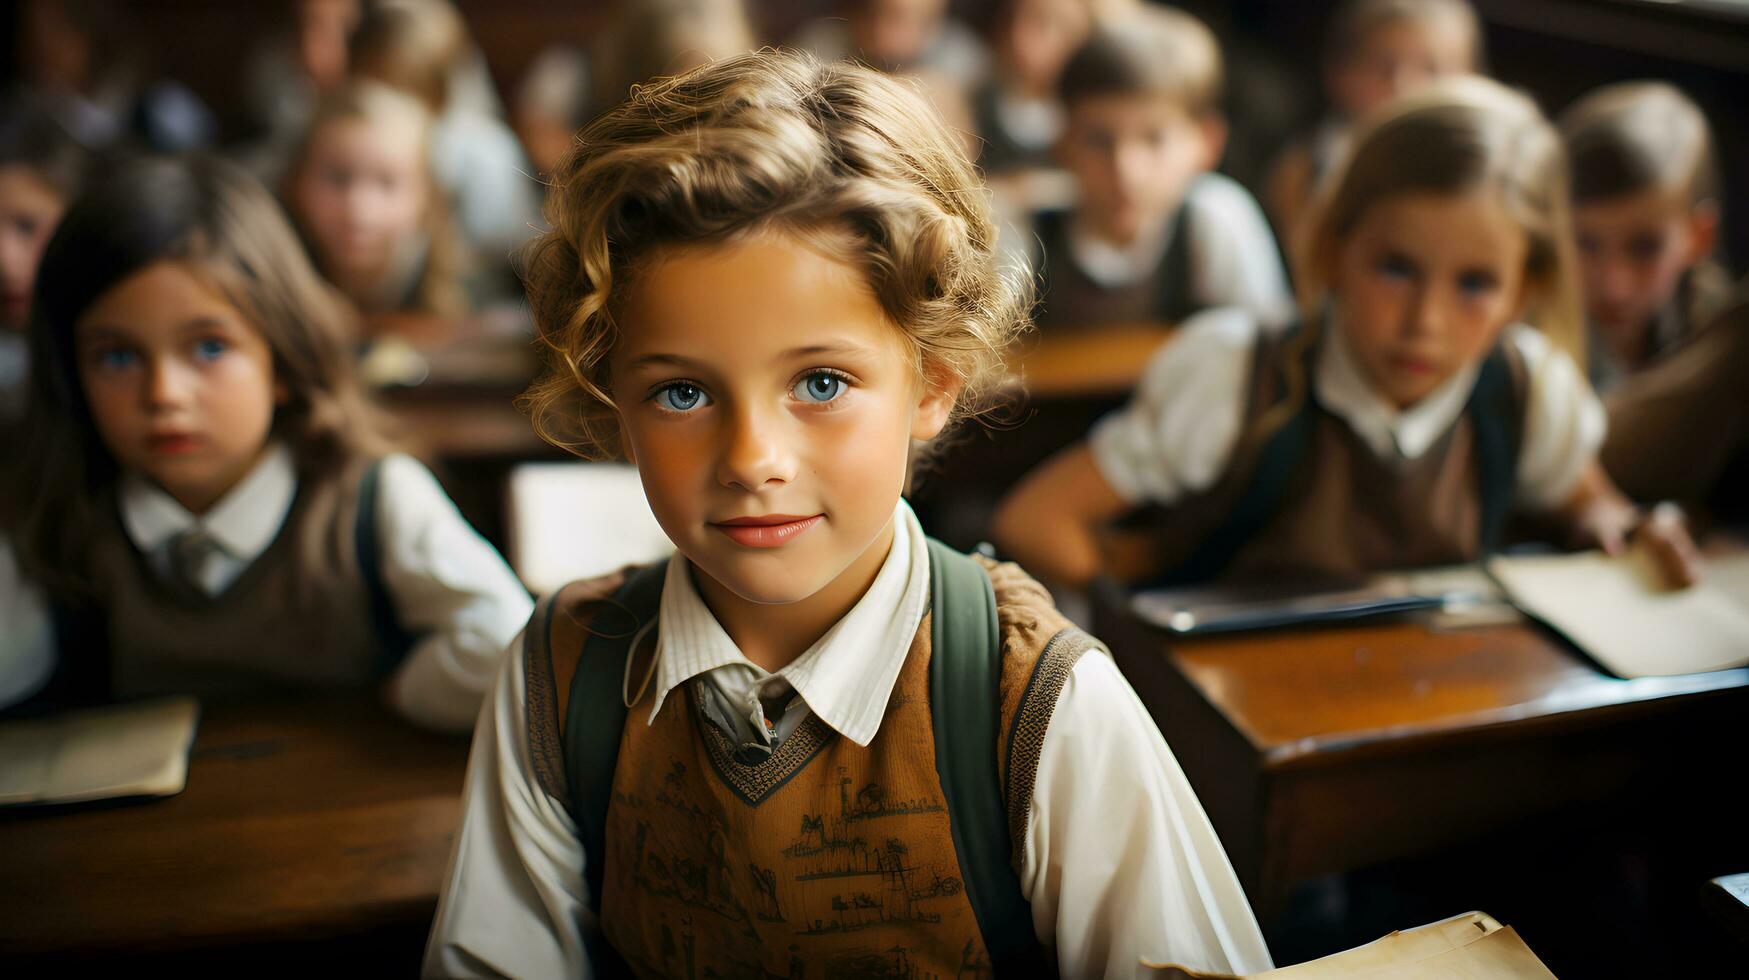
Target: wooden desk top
[
  {"x": 1097, "y": 361},
  {"x": 300, "y": 821},
  {"x": 1298, "y": 697}
]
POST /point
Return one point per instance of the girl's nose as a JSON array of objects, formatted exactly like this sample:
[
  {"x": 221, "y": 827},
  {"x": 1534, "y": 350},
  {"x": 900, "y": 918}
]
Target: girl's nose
[
  {"x": 756, "y": 453},
  {"x": 167, "y": 383}
]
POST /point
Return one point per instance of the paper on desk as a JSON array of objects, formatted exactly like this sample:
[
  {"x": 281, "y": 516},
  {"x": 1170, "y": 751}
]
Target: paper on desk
[
  {"x": 1462, "y": 947},
  {"x": 1618, "y": 611},
  {"x": 136, "y": 749}
]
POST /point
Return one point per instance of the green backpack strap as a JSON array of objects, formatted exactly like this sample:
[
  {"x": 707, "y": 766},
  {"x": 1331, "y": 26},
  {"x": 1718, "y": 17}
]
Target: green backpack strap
[
  {"x": 595, "y": 717},
  {"x": 965, "y": 669}
]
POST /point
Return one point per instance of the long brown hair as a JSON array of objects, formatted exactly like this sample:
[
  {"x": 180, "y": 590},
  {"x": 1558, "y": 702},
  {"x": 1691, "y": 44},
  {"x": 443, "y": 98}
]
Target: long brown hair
[{"x": 218, "y": 221}]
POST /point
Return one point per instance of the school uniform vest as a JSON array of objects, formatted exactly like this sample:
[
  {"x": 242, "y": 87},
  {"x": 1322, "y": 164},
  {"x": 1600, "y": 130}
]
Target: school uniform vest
[
  {"x": 309, "y": 611},
  {"x": 828, "y": 859},
  {"x": 1310, "y": 500},
  {"x": 1068, "y": 297}
]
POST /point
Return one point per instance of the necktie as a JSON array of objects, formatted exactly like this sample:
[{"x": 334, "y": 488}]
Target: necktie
[{"x": 191, "y": 554}]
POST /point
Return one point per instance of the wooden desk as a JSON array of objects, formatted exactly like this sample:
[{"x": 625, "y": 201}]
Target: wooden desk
[
  {"x": 1098, "y": 362},
  {"x": 302, "y": 822},
  {"x": 1327, "y": 750}
]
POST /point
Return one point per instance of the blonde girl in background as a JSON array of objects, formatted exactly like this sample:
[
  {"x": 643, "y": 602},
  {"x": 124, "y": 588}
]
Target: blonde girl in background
[
  {"x": 362, "y": 194},
  {"x": 1430, "y": 391}
]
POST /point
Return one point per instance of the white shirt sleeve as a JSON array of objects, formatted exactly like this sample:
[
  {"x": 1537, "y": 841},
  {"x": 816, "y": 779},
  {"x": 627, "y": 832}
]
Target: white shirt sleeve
[
  {"x": 514, "y": 901},
  {"x": 1120, "y": 863},
  {"x": 1234, "y": 258},
  {"x": 1176, "y": 435},
  {"x": 451, "y": 589},
  {"x": 27, "y": 636},
  {"x": 1564, "y": 422}
]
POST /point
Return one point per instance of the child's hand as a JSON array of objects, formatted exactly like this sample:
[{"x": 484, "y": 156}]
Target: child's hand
[
  {"x": 1601, "y": 517},
  {"x": 1663, "y": 533}
]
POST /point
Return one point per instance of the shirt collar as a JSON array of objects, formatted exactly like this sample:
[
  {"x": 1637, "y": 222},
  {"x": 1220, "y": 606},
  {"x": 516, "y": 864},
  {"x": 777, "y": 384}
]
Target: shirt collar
[
  {"x": 1387, "y": 430},
  {"x": 847, "y": 676},
  {"x": 1112, "y": 265},
  {"x": 243, "y": 523}
]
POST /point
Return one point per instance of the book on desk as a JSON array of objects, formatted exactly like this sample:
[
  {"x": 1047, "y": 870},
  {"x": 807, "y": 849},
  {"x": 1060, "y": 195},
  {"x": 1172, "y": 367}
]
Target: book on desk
[
  {"x": 1615, "y": 609},
  {"x": 114, "y": 752}
]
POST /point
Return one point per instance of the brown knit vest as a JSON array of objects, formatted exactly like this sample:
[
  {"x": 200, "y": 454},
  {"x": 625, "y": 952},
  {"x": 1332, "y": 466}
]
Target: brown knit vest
[
  {"x": 1346, "y": 513},
  {"x": 826, "y": 860},
  {"x": 298, "y": 615}
]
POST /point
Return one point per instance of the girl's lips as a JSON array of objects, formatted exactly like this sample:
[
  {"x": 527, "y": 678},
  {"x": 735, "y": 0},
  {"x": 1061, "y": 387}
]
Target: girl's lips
[
  {"x": 173, "y": 444},
  {"x": 1412, "y": 365},
  {"x": 769, "y": 531}
]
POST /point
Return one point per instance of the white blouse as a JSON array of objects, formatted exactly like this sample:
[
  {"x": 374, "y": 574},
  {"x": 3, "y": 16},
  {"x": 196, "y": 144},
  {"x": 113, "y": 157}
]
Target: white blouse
[
  {"x": 450, "y": 588},
  {"x": 1177, "y": 434},
  {"x": 514, "y": 900}
]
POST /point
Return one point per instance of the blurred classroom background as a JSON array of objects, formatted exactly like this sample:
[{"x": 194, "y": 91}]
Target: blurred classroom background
[{"x": 1493, "y": 769}]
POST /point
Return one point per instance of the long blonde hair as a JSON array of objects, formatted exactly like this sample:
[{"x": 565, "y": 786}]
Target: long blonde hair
[
  {"x": 853, "y": 160},
  {"x": 439, "y": 289},
  {"x": 1457, "y": 136}
]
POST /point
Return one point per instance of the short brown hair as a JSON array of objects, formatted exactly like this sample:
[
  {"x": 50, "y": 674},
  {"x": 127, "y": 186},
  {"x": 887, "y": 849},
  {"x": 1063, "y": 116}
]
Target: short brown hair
[
  {"x": 1148, "y": 51},
  {"x": 1639, "y": 136},
  {"x": 835, "y": 151}
]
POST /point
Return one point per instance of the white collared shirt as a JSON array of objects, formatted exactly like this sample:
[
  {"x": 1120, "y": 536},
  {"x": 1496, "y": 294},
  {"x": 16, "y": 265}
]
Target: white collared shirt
[
  {"x": 845, "y": 677},
  {"x": 1177, "y": 434},
  {"x": 241, "y": 525},
  {"x": 449, "y": 587},
  {"x": 515, "y": 903}
]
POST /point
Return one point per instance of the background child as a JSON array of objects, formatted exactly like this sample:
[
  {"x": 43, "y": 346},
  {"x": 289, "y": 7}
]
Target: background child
[
  {"x": 1154, "y": 235},
  {"x": 422, "y": 47},
  {"x": 1376, "y": 51},
  {"x": 793, "y": 282},
  {"x": 41, "y": 168},
  {"x": 900, "y": 36},
  {"x": 362, "y": 194},
  {"x": 1646, "y": 215},
  {"x": 209, "y": 497},
  {"x": 1382, "y": 432},
  {"x": 1016, "y": 109}
]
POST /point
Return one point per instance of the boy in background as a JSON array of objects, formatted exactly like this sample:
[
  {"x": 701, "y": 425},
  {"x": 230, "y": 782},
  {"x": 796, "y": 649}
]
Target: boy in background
[{"x": 1154, "y": 235}]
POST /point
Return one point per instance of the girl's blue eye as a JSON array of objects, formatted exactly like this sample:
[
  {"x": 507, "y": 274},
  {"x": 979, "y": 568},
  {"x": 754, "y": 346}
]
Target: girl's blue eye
[
  {"x": 1476, "y": 283},
  {"x": 819, "y": 387},
  {"x": 210, "y": 350},
  {"x": 681, "y": 396},
  {"x": 117, "y": 359}
]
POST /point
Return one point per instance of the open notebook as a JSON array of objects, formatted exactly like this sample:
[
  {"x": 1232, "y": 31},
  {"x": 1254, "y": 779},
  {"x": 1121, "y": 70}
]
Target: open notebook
[
  {"x": 124, "y": 750},
  {"x": 1618, "y": 611},
  {"x": 1472, "y": 945}
]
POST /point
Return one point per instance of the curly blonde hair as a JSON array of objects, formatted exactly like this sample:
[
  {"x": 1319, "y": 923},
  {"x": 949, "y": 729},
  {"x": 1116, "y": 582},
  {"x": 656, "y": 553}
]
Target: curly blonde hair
[{"x": 846, "y": 157}]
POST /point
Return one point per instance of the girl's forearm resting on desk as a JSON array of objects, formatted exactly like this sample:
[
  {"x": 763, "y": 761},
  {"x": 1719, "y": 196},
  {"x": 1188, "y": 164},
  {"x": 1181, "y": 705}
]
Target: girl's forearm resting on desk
[{"x": 1049, "y": 522}]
